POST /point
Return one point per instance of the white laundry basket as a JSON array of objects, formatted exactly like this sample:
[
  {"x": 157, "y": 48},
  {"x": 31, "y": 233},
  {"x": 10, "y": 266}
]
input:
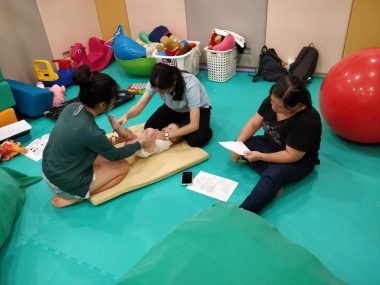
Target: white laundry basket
[
  {"x": 188, "y": 62},
  {"x": 221, "y": 65}
]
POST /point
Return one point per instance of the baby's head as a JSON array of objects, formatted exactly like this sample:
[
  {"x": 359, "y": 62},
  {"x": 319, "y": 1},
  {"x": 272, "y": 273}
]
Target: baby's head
[{"x": 172, "y": 127}]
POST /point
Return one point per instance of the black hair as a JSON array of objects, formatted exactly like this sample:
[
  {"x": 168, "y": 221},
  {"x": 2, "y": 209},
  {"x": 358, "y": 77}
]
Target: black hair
[
  {"x": 165, "y": 76},
  {"x": 95, "y": 87},
  {"x": 292, "y": 91}
]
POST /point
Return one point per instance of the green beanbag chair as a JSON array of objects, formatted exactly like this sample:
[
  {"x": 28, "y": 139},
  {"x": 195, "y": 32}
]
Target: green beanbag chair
[
  {"x": 227, "y": 245},
  {"x": 12, "y": 197}
]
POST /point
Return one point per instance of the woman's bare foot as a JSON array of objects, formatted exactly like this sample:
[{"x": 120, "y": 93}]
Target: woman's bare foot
[
  {"x": 60, "y": 202},
  {"x": 124, "y": 134}
]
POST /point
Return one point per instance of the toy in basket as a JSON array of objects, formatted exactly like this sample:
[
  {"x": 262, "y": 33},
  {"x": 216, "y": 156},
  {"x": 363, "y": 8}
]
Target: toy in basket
[
  {"x": 188, "y": 62},
  {"x": 221, "y": 65}
]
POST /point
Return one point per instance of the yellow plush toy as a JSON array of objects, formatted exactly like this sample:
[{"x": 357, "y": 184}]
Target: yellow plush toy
[
  {"x": 170, "y": 45},
  {"x": 215, "y": 40}
]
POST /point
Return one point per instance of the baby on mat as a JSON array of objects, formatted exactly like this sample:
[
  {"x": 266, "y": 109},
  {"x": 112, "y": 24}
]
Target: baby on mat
[{"x": 159, "y": 144}]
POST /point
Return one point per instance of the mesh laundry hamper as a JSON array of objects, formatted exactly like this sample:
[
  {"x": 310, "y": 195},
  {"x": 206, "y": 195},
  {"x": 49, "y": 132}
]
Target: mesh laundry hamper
[
  {"x": 188, "y": 62},
  {"x": 221, "y": 65}
]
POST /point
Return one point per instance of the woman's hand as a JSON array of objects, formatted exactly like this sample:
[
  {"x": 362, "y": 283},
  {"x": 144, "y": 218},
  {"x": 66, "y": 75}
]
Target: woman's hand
[
  {"x": 235, "y": 156},
  {"x": 252, "y": 155},
  {"x": 123, "y": 119}
]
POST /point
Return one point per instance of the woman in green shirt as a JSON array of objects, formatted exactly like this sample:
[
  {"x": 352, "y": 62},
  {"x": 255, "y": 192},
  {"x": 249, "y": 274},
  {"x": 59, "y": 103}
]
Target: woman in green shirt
[{"x": 79, "y": 160}]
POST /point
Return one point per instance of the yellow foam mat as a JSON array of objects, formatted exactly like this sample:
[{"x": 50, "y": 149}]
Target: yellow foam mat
[{"x": 145, "y": 171}]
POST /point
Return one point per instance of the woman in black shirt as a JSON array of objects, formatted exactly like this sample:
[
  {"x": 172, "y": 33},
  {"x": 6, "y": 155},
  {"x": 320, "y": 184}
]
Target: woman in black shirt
[{"x": 288, "y": 150}]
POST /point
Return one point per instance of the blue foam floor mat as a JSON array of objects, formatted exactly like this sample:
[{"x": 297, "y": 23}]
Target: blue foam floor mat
[{"x": 333, "y": 213}]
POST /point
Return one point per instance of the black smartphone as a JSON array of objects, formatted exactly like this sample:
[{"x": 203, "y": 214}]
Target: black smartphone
[{"x": 187, "y": 178}]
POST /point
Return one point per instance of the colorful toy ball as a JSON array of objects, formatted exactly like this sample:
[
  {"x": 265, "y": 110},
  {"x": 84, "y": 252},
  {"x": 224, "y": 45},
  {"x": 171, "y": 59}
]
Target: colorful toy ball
[{"x": 350, "y": 97}]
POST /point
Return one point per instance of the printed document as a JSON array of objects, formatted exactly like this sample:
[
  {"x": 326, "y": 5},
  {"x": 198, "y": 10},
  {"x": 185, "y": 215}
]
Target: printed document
[
  {"x": 36, "y": 148},
  {"x": 214, "y": 186}
]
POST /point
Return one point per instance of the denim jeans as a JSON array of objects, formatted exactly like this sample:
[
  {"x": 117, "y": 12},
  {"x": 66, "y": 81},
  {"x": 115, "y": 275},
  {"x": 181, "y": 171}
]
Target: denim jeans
[{"x": 273, "y": 175}]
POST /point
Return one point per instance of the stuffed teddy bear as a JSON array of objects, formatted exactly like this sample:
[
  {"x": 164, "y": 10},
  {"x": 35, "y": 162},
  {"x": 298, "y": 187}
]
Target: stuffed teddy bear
[
  {"x": 9, "y": 149},
  {"x": 170, "y": 45}
]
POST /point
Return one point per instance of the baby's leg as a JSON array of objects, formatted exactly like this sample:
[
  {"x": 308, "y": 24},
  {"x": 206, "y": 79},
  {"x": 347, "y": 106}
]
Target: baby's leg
[{"x": 124, "y": 134}]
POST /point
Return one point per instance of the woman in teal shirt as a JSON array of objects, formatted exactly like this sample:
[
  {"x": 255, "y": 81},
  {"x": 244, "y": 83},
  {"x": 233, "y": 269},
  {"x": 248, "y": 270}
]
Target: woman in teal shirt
[{"x": 79, "y": 160}]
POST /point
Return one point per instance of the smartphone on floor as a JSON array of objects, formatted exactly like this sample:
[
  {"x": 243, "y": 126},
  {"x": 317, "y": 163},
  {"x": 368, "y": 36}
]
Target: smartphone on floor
[{"x": 187, "y": 178}]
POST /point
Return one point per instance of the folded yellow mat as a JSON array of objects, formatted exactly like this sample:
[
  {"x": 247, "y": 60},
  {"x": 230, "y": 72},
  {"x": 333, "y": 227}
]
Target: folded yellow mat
[{"x": 145, "y": 171}]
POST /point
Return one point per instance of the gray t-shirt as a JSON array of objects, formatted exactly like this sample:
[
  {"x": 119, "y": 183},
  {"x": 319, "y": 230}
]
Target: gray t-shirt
[
  {"x": 195, "y": 95},
  {"x": 73, "y": 146}
]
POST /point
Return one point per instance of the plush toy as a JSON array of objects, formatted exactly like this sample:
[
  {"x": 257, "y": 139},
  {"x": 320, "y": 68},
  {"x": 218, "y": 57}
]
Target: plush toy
[
  {"x": 10, "y": 149},
  {"x": 215, "y": 39},
  {"x": 58, "y": 91},
  {"x": 59, "y": 94},
  {"x": 170, "y": 45},
  {"x": 227, "y": 44},
  {"x": 185, "y": 50}
]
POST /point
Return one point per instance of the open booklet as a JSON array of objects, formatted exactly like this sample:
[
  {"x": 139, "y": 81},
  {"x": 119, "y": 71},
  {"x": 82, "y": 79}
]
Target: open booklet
[{"x": 237, "y": 147}]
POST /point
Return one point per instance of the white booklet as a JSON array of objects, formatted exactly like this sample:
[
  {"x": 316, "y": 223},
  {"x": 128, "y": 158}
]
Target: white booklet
[
  {"x": 237, "y": 147},
  {"x": 213, "y": 186},
  {"x": 36, "y": 148}
]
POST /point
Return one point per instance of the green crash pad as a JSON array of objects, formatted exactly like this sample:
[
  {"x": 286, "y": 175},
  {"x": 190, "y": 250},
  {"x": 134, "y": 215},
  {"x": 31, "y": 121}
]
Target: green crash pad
[
  {"x": 227, "y": 245},
  {"x": 6, "y": 97},
  {"x": 12, "y": 197}
]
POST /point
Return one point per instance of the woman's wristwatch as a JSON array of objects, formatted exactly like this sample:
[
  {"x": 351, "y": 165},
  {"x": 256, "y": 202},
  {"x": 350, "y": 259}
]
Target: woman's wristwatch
[{"x": 167, "y": 136}]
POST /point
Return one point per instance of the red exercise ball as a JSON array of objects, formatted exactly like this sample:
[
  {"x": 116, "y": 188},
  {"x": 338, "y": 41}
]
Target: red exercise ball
[{"x": 350, "y": 97}]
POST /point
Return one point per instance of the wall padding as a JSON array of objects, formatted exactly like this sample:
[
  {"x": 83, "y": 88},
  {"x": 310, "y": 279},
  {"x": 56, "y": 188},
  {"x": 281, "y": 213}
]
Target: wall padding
[
  {"x": 364, "y": 27},
  {"x": 22, "y": 38},
  {"x": 247, "y": 18},
  {"x": 293, "y": 24}
]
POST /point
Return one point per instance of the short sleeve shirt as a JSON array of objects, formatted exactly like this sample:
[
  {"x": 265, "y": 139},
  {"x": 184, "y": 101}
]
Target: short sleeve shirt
[
  {"x": 302, "y": 131},
  {"x": 73, "y": 146},
  {"x": 195, "y": 95}
]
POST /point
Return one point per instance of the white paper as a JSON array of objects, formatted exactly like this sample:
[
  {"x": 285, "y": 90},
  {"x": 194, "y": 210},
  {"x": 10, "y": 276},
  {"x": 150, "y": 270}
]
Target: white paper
[
  {"x": 237, "y": 147},
  {"x": 213, "y": 186},
  {"x": 36, "y": 148}
]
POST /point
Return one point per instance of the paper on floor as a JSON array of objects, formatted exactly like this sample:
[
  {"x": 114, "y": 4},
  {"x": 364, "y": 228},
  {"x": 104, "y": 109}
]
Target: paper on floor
[
  {"x": 36, "y": 148},
  {"x": 213, "y": 186}
]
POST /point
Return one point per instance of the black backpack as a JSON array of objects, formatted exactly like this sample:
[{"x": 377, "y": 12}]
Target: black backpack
[
  {"x": 270, "y": 66},
  {"x": 304, "y": 65}
]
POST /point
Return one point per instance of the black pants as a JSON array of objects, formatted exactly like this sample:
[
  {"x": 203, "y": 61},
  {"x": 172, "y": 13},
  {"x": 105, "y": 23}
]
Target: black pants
[
  {"x": 273, "y": 175},
  {"x": 165, "y": 116}
]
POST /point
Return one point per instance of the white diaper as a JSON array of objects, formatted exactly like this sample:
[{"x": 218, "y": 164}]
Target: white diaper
[{"x": 160, "y": 146}]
